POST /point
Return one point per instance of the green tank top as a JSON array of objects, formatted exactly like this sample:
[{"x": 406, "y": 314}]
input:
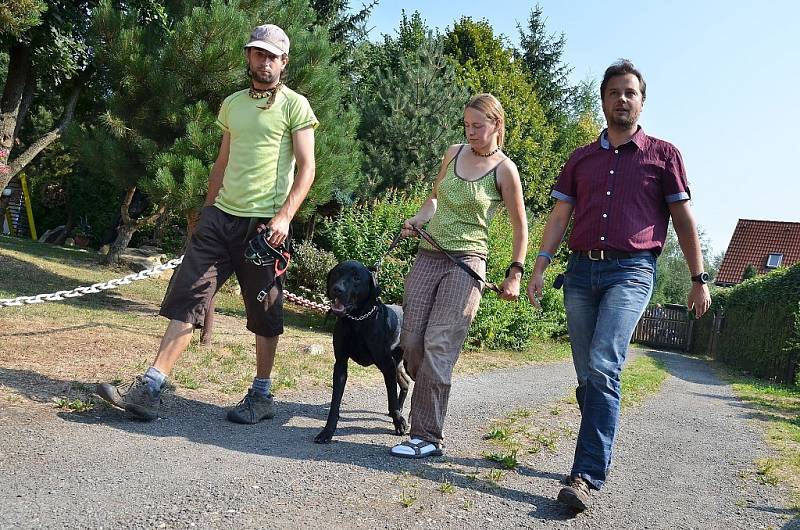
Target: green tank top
[{"x": 464, "y": 211}]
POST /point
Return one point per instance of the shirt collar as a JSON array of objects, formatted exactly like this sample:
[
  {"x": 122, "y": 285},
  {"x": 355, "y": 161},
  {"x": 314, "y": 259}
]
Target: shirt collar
[{"x": 639, "y": 139}]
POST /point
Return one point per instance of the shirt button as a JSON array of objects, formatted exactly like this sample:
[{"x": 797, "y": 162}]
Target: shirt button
[
  {"x": 605, "y": 215},
  {"x": 612, "y": 171},
  {"x": 616, "y": 151},
  {"x": 602, "y": 238},
  {"x": 608, "y": 193}
]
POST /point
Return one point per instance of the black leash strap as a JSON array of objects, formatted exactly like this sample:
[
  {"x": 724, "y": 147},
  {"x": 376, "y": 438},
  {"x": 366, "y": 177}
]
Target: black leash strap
[
  {"x": 427, "y": 237},
  {"x": 392, "y": 246}
]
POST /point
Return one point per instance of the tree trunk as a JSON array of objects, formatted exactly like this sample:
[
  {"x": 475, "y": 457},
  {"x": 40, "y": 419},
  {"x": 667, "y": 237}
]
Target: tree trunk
[
  {"x": 124, "y": 234},
  {"x": 127, "y": 228},
  {"x": 19, "y": 68},
  {"x": 39, "y": 145}
]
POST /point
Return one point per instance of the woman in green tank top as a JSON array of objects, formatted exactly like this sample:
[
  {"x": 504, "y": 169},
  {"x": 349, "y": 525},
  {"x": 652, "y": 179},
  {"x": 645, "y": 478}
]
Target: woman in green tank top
[{"x": 441, "y": 299}]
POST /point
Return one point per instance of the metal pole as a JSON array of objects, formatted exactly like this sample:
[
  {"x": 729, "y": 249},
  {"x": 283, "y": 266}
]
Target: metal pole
[{"x": 26, "y": 197}]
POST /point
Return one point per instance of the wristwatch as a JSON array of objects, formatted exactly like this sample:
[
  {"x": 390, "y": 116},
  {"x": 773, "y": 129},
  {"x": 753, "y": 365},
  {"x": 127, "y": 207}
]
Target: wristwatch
[
  {"x": 515, "y": 265},
  {"x": 701, "y": 278}
]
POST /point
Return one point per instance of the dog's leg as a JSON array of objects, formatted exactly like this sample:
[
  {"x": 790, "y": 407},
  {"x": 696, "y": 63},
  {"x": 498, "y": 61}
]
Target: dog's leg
[
  {"x": 339, "y": 381},
  {"x": 395, "y": 406}
]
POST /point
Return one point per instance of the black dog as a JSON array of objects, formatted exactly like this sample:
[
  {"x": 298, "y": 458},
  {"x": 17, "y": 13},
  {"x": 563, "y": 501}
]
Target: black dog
[{"x": 367, "y": 331}]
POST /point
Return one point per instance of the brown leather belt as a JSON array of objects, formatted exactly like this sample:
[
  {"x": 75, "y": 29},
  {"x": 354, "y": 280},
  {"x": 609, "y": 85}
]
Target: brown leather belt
[{"x": 596, "y": 255}]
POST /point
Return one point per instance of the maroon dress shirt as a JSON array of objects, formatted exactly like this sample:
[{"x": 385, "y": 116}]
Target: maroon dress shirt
[{"x": 621, "y": 195}]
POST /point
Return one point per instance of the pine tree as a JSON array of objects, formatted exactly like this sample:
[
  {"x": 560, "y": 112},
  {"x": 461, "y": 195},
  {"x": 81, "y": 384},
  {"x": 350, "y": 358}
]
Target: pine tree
[
  {"x": 572, "y": 111},
  {"x": 168, "y": 69},
  {"x": 412, "y": 119}
]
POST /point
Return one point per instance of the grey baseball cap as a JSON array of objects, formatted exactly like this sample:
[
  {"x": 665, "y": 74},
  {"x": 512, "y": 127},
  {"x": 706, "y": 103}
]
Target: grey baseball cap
[{"x": 269, "y": 37}]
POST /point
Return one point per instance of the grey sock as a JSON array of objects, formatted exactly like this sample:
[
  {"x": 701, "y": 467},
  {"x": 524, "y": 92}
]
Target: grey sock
[
  {"x": 155, "y": 379},
  {"x": 262, "y": 386}
]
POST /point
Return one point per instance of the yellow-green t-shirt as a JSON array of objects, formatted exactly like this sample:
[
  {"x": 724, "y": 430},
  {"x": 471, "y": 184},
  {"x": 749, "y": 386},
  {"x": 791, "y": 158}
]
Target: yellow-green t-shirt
[{"x": 260, "y": 170}]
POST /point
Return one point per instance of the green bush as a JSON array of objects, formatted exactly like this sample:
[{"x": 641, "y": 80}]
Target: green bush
[
  {"x": 309, "y": 270},
  {"x": 364, "y": 232},
  {"x": 514, "y": 325},
  {"x": 761, "y": 329}
]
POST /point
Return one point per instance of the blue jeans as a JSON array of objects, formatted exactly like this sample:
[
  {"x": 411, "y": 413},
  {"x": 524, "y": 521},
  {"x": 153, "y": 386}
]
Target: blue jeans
[{"x": 604, "y": 301}]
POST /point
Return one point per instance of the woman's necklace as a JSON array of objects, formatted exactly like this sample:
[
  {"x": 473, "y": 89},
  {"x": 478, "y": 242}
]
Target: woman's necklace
[
  {"x": 487, "y": 155},
  {"x": 269, "y": 94}
]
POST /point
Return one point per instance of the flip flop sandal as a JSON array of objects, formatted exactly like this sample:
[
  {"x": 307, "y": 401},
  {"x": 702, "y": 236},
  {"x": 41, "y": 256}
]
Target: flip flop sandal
[{"x": 420, "y": 448}]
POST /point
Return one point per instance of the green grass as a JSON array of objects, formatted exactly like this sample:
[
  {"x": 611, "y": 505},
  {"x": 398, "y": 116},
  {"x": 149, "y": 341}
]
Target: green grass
[
  {"x": 641, "y": 377},
  {"x": 779, "y": 407}
]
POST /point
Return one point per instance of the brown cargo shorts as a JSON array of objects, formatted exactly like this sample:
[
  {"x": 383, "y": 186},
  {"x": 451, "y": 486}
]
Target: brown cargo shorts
[{"x": 215, "y": 251}]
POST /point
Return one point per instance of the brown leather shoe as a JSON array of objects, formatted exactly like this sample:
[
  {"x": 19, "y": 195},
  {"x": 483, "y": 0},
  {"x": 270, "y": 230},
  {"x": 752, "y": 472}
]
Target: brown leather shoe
[{"x": 575, "y": 494}]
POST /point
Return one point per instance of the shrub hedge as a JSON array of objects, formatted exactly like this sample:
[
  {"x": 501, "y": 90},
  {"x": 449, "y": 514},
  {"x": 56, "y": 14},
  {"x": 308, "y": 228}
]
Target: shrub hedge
[
  {"x": 364, "y": 232},
  {"x": 760, "y": 332}
]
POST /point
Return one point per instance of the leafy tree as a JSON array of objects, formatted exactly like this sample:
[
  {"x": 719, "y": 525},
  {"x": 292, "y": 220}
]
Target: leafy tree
[
  {"x": 487, "y": 64},
  {"x": 17, "y": 16},
  {"x": 47, "y": 56}
]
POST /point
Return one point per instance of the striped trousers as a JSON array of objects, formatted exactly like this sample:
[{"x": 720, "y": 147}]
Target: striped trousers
[{"x": 439, "y": 303}]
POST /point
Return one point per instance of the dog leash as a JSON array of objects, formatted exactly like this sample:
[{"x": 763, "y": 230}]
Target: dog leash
[
  {"x": 376, "y": 268},
  {"x": 260, "y": 253},
  {"x": 427, "y": 237}
]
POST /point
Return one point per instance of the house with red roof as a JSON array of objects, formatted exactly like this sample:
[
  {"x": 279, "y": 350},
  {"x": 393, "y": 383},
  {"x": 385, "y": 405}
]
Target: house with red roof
[{"x": 766, "y": 245}]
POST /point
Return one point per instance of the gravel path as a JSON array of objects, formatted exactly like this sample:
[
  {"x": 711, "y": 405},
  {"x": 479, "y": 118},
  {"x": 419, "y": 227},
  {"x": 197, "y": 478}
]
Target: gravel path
[{"x": 684, "y": 460}]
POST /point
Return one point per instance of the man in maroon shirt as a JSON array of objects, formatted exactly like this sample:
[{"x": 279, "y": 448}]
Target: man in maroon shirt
[{"x": 621, "y": 191}]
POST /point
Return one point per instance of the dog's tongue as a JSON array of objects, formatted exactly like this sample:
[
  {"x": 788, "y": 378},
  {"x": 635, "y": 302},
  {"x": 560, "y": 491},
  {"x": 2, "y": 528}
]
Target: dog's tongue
[{"x": 338, "y": 307}]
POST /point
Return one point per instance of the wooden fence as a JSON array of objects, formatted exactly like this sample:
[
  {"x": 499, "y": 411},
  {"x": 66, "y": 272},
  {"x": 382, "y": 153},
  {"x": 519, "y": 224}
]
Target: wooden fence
[{"x": 668, "y": 326}]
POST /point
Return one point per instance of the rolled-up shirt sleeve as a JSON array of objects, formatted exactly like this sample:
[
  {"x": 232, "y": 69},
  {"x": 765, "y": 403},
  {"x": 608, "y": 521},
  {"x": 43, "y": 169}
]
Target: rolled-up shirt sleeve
[
  {"x": 565, "y": 188},
  {"x": 674, "y": 184}
]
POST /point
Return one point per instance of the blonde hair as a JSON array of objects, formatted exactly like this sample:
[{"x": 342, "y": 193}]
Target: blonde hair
[{"x": 490, "y": 107}]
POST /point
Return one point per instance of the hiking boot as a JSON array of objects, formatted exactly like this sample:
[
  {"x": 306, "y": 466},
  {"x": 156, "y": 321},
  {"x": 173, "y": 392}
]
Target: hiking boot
[
  {"x": 575, "y": 494},
  {"x": 138, "y": 398},
  {"x": 252, "y": 408}
]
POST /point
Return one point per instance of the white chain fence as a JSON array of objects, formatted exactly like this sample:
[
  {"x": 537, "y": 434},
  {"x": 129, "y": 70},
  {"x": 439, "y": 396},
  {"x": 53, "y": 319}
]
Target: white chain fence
[{"x": 126, "y": 280}]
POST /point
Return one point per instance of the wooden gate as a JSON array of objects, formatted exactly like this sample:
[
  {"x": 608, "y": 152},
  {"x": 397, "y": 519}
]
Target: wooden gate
[{"x": 667, "y": 326}]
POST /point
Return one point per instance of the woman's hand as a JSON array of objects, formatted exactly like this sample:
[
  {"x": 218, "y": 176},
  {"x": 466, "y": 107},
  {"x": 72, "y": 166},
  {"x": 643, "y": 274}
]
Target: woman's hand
[
  {"x": 509, "y": 289},
  {"x": 409, "y": 225}
]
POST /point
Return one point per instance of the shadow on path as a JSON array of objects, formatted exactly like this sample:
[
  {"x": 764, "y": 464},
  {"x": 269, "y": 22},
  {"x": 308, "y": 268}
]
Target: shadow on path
[{"x": 204, "y": 423}]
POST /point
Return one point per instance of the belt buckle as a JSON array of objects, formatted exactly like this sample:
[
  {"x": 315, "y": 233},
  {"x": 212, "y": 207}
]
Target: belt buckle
[{"x": 592, "y": 255}]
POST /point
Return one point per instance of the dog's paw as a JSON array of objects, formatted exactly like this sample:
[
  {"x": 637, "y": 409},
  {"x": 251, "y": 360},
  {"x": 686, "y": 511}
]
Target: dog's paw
[
  {"x": 324, "y": 437},
  {"x": 400, "y": 425}
]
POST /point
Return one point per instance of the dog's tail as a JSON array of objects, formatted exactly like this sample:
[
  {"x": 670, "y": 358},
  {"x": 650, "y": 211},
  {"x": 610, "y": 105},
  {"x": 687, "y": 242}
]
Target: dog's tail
[{"x": 403, "y": 379}]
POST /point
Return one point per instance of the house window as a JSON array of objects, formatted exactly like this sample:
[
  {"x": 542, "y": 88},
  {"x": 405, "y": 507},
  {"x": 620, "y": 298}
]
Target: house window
[{"x": 774, "y": 261}]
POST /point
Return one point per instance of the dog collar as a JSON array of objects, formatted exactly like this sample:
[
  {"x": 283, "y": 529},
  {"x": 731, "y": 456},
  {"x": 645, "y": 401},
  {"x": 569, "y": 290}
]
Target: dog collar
[{"x": 364, "y": 316}]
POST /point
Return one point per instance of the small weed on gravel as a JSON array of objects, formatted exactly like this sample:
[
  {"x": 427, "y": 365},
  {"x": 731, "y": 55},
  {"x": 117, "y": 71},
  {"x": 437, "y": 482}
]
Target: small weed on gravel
[
  {"x": 506, "y": 460},
  {"x": 74, "y": 405}
]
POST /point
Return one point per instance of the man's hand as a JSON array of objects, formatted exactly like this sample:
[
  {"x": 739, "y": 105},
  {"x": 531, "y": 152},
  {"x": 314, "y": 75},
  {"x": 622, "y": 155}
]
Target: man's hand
[
  {"x": 279, "y": 225},
  {"x": 535, "y": 286},
  {"x": 699, "y": 299}
]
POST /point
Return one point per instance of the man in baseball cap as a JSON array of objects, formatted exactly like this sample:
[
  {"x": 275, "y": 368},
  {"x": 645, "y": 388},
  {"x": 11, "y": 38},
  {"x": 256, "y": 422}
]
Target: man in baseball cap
[{"x": 262, "y": 174}]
